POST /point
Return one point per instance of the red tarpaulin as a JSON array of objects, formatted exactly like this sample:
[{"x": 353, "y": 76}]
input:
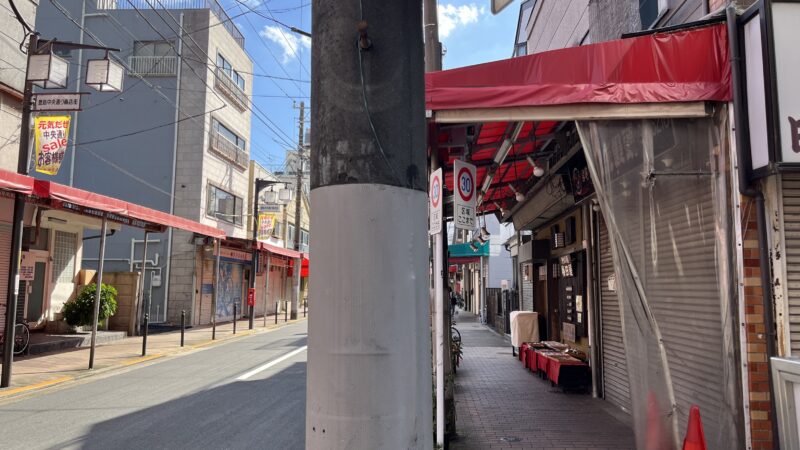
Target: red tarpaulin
[
  {"x": 682, "y": 66},
  {"x": 279, "y": 250},
  {"x": 11, "y": 181}
]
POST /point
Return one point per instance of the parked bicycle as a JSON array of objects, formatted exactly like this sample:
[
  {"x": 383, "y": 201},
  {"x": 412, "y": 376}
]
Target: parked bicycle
[
  {"x": 22, "y": 337},
  {"x": 455, "y": 347}
]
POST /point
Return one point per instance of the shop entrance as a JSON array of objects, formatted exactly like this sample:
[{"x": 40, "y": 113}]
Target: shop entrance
[{"x": 36, "y": 289}]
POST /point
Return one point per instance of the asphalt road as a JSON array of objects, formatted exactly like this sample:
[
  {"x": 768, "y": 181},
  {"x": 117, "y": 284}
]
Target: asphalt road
[{"x": 245, "y": 394}]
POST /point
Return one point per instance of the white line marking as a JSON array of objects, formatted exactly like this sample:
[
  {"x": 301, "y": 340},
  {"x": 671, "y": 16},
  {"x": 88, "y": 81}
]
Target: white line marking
[{"x": 266, "y": 366}]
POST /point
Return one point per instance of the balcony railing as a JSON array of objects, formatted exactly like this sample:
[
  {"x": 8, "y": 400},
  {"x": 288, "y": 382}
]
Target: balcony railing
[
  {"x": 153, "y": 66},
  {"x": 230, "y": 89},
  {"x": 146, "y": 5},
  {"x": 228, "y": 150}
]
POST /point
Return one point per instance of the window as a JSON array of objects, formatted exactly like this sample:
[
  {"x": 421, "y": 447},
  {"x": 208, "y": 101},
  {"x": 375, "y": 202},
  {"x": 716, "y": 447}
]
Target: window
[
  {"x": 228, "y": 134},
  {"x": 303, "y": 240},
  {"x": 651, "y": 11},
  {"x": 153, "y": 48},
  {"x": 290, "y": 235},
  {"x": 226, "y": 67},
  {"x": 64, "y": 253},
  {"x": 224, "y": 205},
  {"x": 278, "y": 230}
]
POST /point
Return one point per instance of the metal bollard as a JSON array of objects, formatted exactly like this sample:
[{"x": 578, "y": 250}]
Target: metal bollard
[
  {"x": 286, "y": 311},
  {"x": 183, "y": 324},
  {"x": 234, "y": 317},
  {"x": 305, "y": 305},
  {"x": 144, "y": 337},
  {"x": 277, "y": 305}
]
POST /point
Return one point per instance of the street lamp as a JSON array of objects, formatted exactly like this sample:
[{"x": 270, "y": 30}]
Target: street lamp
[
  {"x": 46, "y": 70},
  {"x": 105, "y": 74}
]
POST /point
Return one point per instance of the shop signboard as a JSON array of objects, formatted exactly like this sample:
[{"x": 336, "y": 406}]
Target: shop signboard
[
  {"x": 266, "y": 226},
  {"x": 435, "y": 202},
  {"x": 51, "y": 133},
  {"x": 785, "y": 17},
  {"x": 464, "y": 199},
  {"x": 57, "y": 101},
  {"x": 27, "y": 267}
]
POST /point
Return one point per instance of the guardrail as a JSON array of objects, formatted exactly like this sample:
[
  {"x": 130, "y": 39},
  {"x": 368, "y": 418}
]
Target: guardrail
[{"x": 153, "y": 66}]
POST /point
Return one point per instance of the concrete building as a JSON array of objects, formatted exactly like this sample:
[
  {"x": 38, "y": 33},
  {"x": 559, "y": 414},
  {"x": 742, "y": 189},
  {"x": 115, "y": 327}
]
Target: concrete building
[{"x": 176, "y": 139}]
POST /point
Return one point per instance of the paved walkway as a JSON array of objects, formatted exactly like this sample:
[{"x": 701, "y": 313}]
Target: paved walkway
[
  {"x": 40, "y": 371},
  {"x": 497, "y": 398}
]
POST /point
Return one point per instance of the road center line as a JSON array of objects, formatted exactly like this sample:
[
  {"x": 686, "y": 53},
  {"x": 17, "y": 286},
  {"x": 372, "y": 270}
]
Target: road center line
[{"x": 266, "y": 366}]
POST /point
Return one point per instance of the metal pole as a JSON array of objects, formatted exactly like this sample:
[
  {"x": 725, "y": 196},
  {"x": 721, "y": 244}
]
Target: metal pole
[
  {"x": 277, "y": 306},
  {"x": 254, "y": 256},
  {"x": 266, "y": 291},
  {"x": 99, "y": 290},
  {"x": 286, "y": 311},
  {"x": 235, "y": 318},
  {"x": 298, "y": 213},
  {"x": 142, "y": 274},
  {"x": 183, "y": 325},
  {"x": 369, "y": 191},
  {"x": 216, "y": 290},
  {"x": 144, "y": 335},
  {"x": 17, "y": 227}
]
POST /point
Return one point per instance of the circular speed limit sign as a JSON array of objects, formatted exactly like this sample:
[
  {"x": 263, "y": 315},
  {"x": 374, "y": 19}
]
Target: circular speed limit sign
[
  {"x": 436, "y": 191},
  {"x": 465, "y": 183}
]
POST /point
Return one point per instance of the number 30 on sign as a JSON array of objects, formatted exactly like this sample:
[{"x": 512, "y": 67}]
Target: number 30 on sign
[{"x": 465, "y": 198}]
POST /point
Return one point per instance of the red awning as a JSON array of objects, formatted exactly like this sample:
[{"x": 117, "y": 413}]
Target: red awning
[
  {"x": 682, "y": 66},
  {"x": 11, "y": 181},
  {"x": 279, "y": 250},
  {"x": 463, "y": 259}
]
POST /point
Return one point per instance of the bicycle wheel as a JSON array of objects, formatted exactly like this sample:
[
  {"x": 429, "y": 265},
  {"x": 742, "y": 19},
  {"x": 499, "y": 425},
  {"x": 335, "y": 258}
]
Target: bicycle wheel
[
  {"x": 455, "y": 335},
  {"x": 22, "y": 337}
]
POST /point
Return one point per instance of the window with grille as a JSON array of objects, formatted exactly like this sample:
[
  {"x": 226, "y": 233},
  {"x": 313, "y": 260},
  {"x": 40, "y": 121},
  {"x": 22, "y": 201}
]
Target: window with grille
[
  {"x": 224, "y": 205},
  {"x": 65, "y": 250},
  {"x": 226, "y": 67}
]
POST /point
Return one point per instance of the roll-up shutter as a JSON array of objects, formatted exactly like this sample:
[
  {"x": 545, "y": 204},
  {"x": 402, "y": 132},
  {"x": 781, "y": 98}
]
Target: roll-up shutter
[
  {"x": 616, "y": 387},
  {"x": 527, "y": 292},
  {"x": 790, "y": 185},
  {"x": 5, "y": 257},
  {"x": 683, "y": 288}
]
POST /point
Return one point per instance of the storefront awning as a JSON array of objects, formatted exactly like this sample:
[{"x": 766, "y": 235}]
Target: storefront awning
[
  {"x": 683, "y": 66},
  {"x": 455, "y": 251},
  {"x": 83, "y": 202},
  {"x": 263, "y": 246}
]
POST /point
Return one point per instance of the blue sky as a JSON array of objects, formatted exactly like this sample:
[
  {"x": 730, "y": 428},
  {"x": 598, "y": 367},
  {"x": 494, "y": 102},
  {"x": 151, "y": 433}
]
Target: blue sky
[{"x": 468, "y": 31}]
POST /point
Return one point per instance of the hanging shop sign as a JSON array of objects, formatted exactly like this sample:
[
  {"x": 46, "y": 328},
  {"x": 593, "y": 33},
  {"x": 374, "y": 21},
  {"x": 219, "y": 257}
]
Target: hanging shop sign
[
  {"x": 51, "y": 134},
  {"x": 435, "y": 202},
  {"x": 58, "y": 101},
  {"x": 785, "y": 17},
  {"x": 464, "y": 198},
  {"x": 270, "y": 207},
  {"x": 266, "y": 226},
  {"x": 27, "y": 267}
]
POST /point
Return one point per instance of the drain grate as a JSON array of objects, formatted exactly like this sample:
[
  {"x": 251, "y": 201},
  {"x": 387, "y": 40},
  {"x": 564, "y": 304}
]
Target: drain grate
[{"x": 510, "y": 439}]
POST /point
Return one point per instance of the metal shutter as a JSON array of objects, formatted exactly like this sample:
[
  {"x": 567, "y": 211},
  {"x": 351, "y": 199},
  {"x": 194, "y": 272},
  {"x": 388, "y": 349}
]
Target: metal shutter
[
  {"x": 5, "y": 256},
  {"x": 791, "y": 226},
  {"x": 527, "y": 293},
  {"x": 683, "y": 292},
  {"x": 616, "y": 387}
]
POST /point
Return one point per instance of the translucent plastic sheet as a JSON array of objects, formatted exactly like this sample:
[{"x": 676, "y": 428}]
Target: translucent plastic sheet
[{"x": 663, "y": 187}]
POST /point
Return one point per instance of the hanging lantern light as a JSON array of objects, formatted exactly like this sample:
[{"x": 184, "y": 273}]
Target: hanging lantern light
[
  {"x": 47, "y": 71},
  {"x": 105, "y": 74},
  {"x": 271, "y": 197},
  {"x": 285, "y": 195}
]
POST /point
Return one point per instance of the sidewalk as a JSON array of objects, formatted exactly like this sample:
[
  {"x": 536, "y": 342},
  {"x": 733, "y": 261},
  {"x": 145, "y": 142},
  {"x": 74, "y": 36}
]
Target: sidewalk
[
  {"x": 500, "y": 404},
  {"x": 36, "y": 372}
]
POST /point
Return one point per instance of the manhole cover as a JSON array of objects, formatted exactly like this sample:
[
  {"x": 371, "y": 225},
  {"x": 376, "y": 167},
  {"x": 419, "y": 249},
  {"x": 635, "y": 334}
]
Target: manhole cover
[{"x": 510, "y": 439}]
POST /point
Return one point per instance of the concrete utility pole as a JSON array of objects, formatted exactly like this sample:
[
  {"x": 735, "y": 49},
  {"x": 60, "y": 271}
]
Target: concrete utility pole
[
  {"x": 298, "y": 212},
  {"x": 369, "y": 370}
]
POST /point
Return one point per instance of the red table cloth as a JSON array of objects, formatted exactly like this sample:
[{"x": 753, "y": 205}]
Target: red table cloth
[
  {"x": 522, "y": 352},
  {"x": 556, "y": 362},
  {"x": 530, "y": 359},
  {"x": 542, "y": 359}
]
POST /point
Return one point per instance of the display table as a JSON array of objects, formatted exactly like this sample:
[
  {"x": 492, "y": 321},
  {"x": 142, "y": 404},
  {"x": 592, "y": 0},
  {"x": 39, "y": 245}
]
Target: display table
[
  {"x": 543, "y": 362},
  {"x": 567, "y": 372},
  {"x": 530, "y": 359},
  {"x": 523, "y": 353}
]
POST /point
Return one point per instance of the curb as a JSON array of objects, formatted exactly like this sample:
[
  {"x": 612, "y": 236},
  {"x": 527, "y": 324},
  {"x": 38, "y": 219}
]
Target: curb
[{"x": 62, "y": 381}]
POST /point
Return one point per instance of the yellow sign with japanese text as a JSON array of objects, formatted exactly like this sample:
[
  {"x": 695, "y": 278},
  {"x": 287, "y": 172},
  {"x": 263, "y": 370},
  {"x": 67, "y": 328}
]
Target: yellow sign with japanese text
[
  {"x": 51, "y": 133},
  {"x": 266, "y": 226}
]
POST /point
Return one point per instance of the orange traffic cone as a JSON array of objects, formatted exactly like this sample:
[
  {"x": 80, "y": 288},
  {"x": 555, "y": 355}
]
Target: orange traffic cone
[
  {"x": 656, "y": 437},
  {"x": 695, "y": 438}
]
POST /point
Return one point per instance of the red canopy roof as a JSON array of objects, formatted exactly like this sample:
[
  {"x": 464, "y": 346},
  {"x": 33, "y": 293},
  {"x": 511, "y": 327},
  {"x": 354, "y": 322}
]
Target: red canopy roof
[
  {"x": 279, "y": 250},
  {"x": 681, "y": 66},
  {"x": 79, "y": 200}
]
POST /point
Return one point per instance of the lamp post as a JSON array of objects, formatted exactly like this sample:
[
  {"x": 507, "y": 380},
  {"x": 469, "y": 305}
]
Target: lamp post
[
  {"x": 45, "y": 70},
  {"x": 260, "y": 185}
]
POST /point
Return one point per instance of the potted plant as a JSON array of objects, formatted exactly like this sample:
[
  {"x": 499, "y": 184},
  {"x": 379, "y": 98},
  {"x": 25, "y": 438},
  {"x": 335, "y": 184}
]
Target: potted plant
[{"x": 79, "y": 312}]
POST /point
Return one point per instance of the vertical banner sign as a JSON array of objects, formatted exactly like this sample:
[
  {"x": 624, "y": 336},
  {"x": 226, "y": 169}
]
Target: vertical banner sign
[
  {"x": 465, "y": 198},
  {"x": 435, "y": 203},
  {"x": 785, "y": 17},
  {"x": 51, "y": 142},
  {"x": 266, "y": 225}
]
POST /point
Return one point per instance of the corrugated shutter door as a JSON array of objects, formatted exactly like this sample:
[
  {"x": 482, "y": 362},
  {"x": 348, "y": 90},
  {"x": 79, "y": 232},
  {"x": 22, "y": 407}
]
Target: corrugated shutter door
[
  {"x": 527, "y": 295},
  {"x": 5, "y": 256},
  {"x": 684, "y": 295},
  {"x": 616, "y": 387},
  {"x": 791, "y": 223}
]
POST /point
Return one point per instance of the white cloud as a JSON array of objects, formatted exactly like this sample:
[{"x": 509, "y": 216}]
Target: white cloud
[
  {"x": 451, "y": 17},
  {"x": 289, "y": 42}
]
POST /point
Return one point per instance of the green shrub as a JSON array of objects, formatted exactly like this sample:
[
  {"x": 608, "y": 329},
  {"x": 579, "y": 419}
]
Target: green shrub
[{"x": 80, "y": 311}]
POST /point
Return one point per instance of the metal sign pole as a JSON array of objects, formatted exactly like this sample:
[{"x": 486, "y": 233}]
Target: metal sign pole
[{"x": 99, "y": 290}]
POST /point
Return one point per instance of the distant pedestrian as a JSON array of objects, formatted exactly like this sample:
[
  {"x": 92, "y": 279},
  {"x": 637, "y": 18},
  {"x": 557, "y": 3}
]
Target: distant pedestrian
[{"x": 453, "y": 302}]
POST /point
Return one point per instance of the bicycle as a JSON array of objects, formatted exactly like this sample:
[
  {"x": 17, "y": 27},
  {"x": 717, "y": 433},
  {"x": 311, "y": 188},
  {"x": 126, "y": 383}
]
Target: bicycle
[
  {"x": 455, "y": 347},
  {"x": 22, "y": 337}
]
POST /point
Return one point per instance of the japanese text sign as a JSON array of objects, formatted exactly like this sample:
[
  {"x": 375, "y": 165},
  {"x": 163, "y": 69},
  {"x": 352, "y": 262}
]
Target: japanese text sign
[
  {"x": 51, "y": 142},
  {"x": 465, "y": 197},
  {"x": 266, "y": 226},
  {"x": 435, "y": 193}
]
